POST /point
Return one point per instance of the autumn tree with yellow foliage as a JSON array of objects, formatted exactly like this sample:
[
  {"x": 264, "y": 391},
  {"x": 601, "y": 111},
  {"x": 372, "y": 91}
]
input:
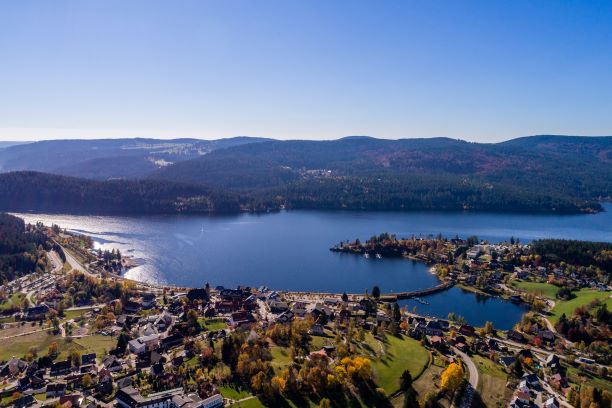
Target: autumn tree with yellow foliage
[{"x": 452, "y": 377}]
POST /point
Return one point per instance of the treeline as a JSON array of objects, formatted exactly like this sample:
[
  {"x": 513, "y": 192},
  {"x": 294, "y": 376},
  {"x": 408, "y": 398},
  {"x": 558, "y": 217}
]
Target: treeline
[
  {"x": 19, "y": 254},
  {"x": 419, "y": 192},
  {"x": 32, "y": 191},
  {"x": 580, "y": 253}
]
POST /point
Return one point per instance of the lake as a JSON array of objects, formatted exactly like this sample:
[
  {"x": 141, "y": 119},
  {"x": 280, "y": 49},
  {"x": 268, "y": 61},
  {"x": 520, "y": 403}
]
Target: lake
[{"x": 290, "y": 250}]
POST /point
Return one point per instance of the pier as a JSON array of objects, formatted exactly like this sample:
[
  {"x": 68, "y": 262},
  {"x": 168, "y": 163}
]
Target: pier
[{"x": 392, "y": 297}]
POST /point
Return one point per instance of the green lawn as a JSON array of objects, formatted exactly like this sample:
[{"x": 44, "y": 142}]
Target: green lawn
[
  {"x": 492, "y": 382},
  {"x": 19, "y": 346},
  {"x": 96, "y": 344},
  {"x": 542, "y": 289},
  {"x": 213, "y": 323},
  {"x": 15, "y": 300},
  {"x": 400, "y": 354},
  {"x": 281, "y": 358},
  {"x": 252, "y": 403},
  {"x": 233, "y": 392},
  {"x": 71, "y": 314},
  {"x": 583, "y": 297}
]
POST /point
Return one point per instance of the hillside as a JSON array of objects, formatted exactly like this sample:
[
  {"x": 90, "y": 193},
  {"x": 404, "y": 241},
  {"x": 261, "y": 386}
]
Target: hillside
[
  {"x": 104, "y": 159},
  {"x": 32, "y": 191},
  {"x": 18, "y": 248},
  {"x": 531, "y": 174},
  {"x": 543, "y": 173}
]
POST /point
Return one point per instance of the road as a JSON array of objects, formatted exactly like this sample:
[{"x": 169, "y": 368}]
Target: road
[{"x": 466, "y": 400}]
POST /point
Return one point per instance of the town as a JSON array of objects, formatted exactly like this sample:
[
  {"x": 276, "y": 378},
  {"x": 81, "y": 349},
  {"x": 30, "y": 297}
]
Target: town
[{"x": 76, "y": 333}]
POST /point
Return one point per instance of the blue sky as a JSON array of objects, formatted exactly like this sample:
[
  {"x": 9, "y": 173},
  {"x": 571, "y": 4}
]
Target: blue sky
[{"x": 482, "y": 71}]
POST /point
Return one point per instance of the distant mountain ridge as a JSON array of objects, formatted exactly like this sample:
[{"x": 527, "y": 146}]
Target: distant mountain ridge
[
  {"x": 103, "y": 159},
  {"x": 537, "y": 173}
]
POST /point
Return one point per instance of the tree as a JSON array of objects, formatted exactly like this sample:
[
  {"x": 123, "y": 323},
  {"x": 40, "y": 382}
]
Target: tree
[
  {"x": 405, "y": 380},
  {"x": 52, "y": 350},
  {"x": 325, "y": 403},
  {"x": 122, "y": 341},
  {"x": 517, "y": 368},
  {"x": 87, "y": 381},
  {"x": 397, "y": 314},
  {"x": 376, "y": 292},
  {"x": 75, "y": 358},
  {"x": 344, "y": 297},
  {"x": 452, "y": 377},
  {"x": 489, "y": 327}
]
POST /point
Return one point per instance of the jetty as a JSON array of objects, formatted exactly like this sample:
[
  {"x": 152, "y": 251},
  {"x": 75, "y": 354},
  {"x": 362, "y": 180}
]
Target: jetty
[{"x": 392, "y": 297}]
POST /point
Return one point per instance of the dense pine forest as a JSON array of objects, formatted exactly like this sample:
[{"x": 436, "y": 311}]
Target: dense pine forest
[{"x": 19, "y": 244}]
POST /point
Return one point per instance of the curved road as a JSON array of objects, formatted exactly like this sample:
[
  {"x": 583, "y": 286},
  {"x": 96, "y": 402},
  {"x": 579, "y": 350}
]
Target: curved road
[{"x": 466, "y": 400}]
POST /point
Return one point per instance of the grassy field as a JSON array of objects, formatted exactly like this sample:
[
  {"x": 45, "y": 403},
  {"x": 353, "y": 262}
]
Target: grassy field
[
  {"x": 281, "y": 358},
  {"x": 213, "y": 324},
  {"x": 576, "y": 377},
  {"x": 583, "y": 297},
  {"x": 492, "y": 383},
  {"x": 542, "y": 289},
  {"x": 233, "y": 393},
  {"x": 96, "y": 344},
  {"x": 19, "y": 346},
  {"x": 71, "y": 314},
  {"x": 15, "y": 300},
  {"x": 400, "y": 354},
  {"x": 252, "y": 403}
]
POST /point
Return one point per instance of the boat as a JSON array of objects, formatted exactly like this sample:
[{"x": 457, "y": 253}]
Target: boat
[
  {"x": 366, "y": 255},
  {"x": 378, "y": 256}
]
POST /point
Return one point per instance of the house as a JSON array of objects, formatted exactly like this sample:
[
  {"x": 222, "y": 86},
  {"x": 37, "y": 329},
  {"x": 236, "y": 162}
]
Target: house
[
  {"x": 552, "y": 361},
  {"x": 88, "y": 359},
  {"x": 37, "y": 312},
  {"x": 55, "y": 390},
  {"x": 13, "y": 367},
  {"x": 74, "y": 400},
  {"x": 131, "y": 307},
  {"x": 194, "y": 401},
  {"x": 299, "y": 309},
  {"x": 551, "y": 403},
  {"x": 136, "y": 346},
  {"x": 467, "y": 330},
  {"x": 316, "y": 330},
  {"x": 515, "y": 336},
  {"x": 198, "y": 294},
  {"x": 318, "y": 311},
  {"x": 462, "y": 346},
  {"x": 444, "y": 325},
  {"x": 241, "y": 319},
  {"x": 285, "y": 317},
  {"x": 112, "y": 363},
  {"x": 547, "y": 336},
  {"x": 60, "y": 368},
  {"x": 507, "y": 361},
  {"x": 278, "y": 306},
  {"x": 164, "y": 321},
  {"x": 129, "y": 397},
  {"x": 532, "y": 380},
  {"x": 172, "y": 341},
  {"x": 433, "y": 328},
  {"x": 24, "y": 401},
  {"x": 148, "y": 300},
  {"x": 435, "y": 341}
]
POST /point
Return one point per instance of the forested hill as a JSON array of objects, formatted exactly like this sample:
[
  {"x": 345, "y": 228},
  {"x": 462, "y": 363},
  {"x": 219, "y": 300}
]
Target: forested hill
[
  {"x": 546, "y": 173},
  {"x": 19, "y": 253},
  {"x": 104, "y": 159},
  {"x": 532, "y": 174},
  {"x": 32, "y": 191}
]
